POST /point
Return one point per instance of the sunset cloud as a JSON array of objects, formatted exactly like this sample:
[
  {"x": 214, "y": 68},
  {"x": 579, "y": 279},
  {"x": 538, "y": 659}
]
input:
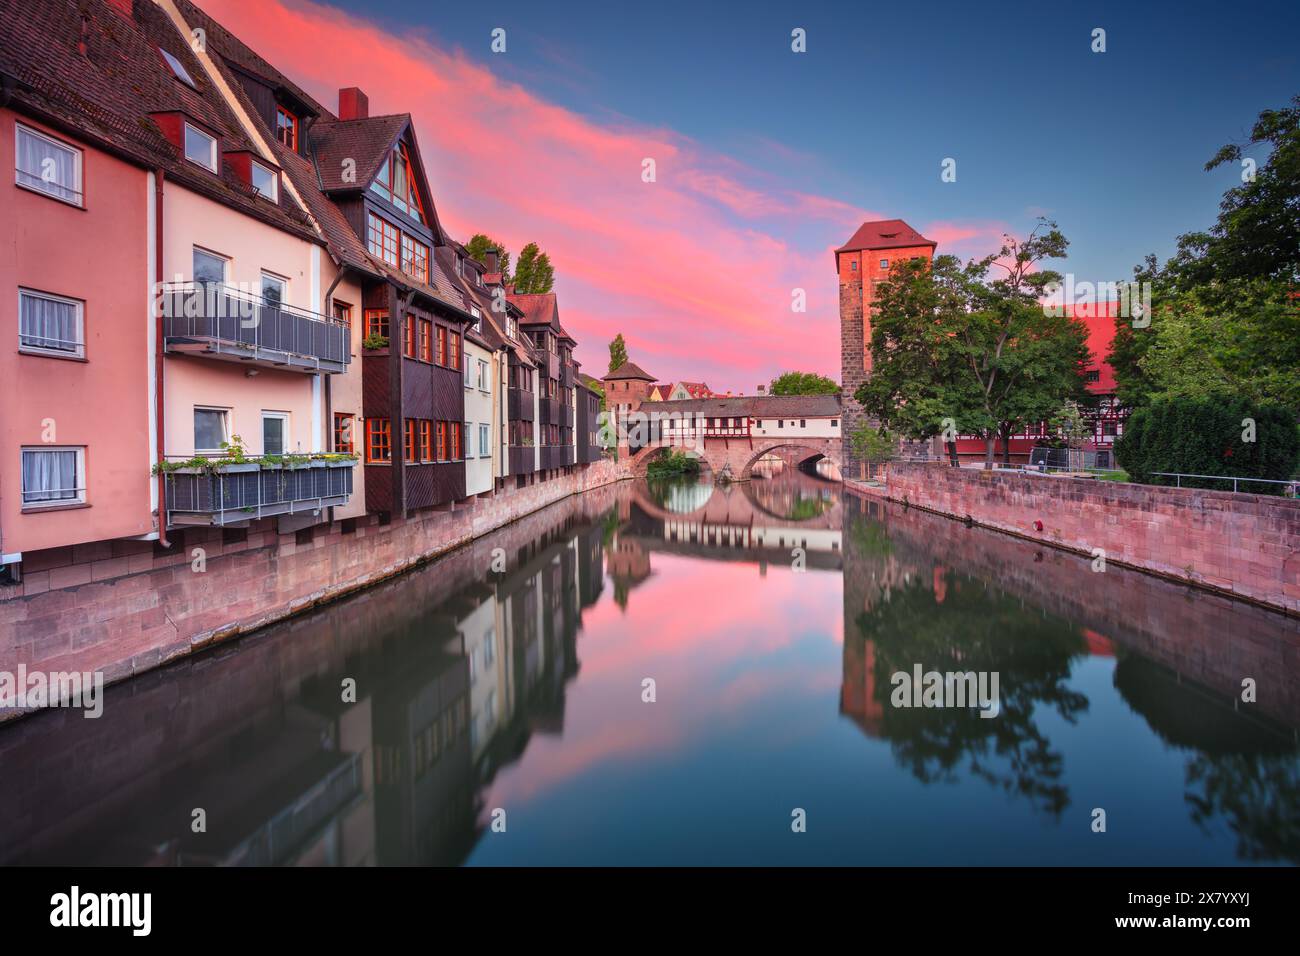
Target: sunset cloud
[{"x": 695, "y": 269}]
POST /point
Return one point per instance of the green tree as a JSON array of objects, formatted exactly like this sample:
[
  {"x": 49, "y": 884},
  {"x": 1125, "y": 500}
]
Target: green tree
[
  {"x": 617, "y": 352},
  {"x": 873, "y": 444},
  {"x": 954, "y": 350},
  {"x": 478, "y": 247},
  {"x": 803, "y": 383},
  {"x": 533, "y": 272},
  {"x": 1226, "y": 316}
]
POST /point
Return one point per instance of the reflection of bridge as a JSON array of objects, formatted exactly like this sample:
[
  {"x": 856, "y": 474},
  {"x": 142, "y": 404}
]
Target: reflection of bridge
[{"x": 736, "y": 455}]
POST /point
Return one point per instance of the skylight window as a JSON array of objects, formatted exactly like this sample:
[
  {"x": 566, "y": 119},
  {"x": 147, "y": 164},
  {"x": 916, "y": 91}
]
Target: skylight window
[{"x": 178, "y": 69}]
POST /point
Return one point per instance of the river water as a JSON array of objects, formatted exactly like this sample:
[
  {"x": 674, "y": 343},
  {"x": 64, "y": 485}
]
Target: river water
[{"x": 495, "y": 707}]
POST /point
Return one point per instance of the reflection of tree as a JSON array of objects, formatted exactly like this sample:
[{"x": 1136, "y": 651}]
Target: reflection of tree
[
  {"x": 1243, "y": 768},
  {"x": 1258, "y": 795},
  {"x": 971, "y": 630}
]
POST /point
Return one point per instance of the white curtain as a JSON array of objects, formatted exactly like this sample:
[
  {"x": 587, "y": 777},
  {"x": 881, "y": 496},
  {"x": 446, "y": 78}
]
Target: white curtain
[
  {"x": 47, "y": 323},
  {"x": 49, "y": 476},
  {"x": 46, "y": 166}
]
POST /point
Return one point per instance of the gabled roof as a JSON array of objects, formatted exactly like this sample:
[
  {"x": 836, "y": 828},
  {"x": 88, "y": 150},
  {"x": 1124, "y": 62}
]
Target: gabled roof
[
  {"x": 490, "y": 335},
  {"x": 108, "y": 94},
  {"x": 884, "y": 234},
  {"x": 539, "y": 308},
  {"x": 367, "y": 142},
  {"x": 343, "y": 242},
  {"x": 694, "y": 389},
  {"x": 630, "y": 370}
]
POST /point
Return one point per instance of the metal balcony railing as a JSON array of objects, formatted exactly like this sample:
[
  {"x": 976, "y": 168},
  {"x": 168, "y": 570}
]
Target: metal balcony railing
[
  {"x": 230, "y": 494},
  {"x": 225, "y": 323}
]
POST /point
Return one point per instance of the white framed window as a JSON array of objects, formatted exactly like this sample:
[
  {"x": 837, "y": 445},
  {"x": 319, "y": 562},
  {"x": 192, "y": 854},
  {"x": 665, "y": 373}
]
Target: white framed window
[
  {"x": 884, "y": 263},
  {"x": 482, "y": 375},
  {"x": 209, "y": 268},
  {"x": 178, "y": 68},
  {"x": 53, "y": 476},
  {"x": 274, "y": 290},
  {"x": 275, "y": 433},
  {"x": 51, "y": 324},
  {"x": 469, "y": 441},
  {"x": 483, "y": 450},
  {"x": 200, "y": 148},
  {"x": 468, "y": 366},
  {"x": 44, "y": 164},
  {"x": 265, "y": 181},
  {"x": 211, "y": 429}
]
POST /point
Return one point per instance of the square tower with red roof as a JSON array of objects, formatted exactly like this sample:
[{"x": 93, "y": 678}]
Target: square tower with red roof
[{"x": 861, "y": 264}]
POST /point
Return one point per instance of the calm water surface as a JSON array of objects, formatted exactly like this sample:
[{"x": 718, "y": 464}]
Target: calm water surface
[{"x": 770, "y": 617}]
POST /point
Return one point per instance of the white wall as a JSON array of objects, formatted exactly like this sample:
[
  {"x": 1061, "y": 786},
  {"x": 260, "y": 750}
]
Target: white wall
[{"x": 478, "y": 412}]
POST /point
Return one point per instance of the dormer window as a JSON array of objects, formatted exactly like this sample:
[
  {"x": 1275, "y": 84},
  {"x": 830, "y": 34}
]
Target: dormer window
[
  {"x": 265, "y": 181},
  {"x": 395, "y": 181},
  {"x": 178, "y": 69},
  {"x": 286, "y": 128},
  {"x": 200, "y": 148}
]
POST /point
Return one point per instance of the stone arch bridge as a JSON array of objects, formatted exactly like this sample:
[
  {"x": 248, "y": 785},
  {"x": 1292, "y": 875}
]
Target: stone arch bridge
[{"x": 737, "y": 456}]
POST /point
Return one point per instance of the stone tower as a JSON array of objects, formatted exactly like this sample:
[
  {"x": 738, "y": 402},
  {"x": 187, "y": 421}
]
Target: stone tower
[{"x": 861, "y": 263}]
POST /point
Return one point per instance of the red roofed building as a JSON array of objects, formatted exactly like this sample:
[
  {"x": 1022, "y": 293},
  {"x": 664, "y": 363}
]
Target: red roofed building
[{"x": 861, "y": 264}]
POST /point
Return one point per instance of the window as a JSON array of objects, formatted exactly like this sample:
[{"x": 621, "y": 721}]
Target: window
[
  {"x": 415, "y": 258},
  {"x": 780, "y": 423},
  {"x": 803, "y": 423},
  {"x": 468, "y": 383},
  {"x": 178, "y": 69},
  {"x": 759, "y": 423},
  {"x": 455, "y": 440},
  {"x": 1094, "y": 375},
  {"x": 853, "y": 266},
  {"x": 343, "y": 433},
  {"x": 209, "y": 268},
  {"x": 395, "y": 181},
  {"x": 835, "y": 423},
  {"x": 376, "y": 322},
  {"x": 342, "y": 313},
  {"x": 453, "y": 357},
  {"x": 426, "y": 440},
  {"x": 210, "y": 431},
  {"x": 483, "y": 450},
  {"x": 408, "y": 337},
  {"x": 266, "y": 181},
  {"x": 51, "y": 324},
  {"x": 469, "y": 441},
  {"x": 286, "y": 128},
  {"x": 426, "y": 340},
  {"x": 383, "y": 239},
  {"x": 274, "y": 290},
  {"x": 275, "y": 433},
  {"x": 379, "y": 440},
  {"x": 408, "y": 443},
  {"x": 53, "y": 476},
  {"x": 482, "y": 375},
  {"x": 46, "y": 165},
  {"x": 442, "y": 346},
  {"x": 478, "y": 317},
  {"x": 200, "y": 148},
  {"x": 884, "y": 263},
  {"x": 443, "y": 444}
]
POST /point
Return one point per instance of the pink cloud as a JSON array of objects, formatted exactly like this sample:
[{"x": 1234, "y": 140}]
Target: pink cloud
[{"x": 692, "y": 268}]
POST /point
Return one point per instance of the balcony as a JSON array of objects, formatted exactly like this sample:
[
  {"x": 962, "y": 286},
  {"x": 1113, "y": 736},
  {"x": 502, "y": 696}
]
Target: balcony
[
  {"x": 556, "y": 456},
  {"x": 519, "y": 407},
  {"x": 228, "y": 494},
  {"x": 521, "y": 459},
  {"x": 224, "y": 323},
  {"x": 552, "y": 412},
  {"x": 566, "y": 375}
]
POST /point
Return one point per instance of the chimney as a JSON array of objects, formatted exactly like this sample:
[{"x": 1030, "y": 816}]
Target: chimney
[
  {"x": 353, "y": 104},
  {"x": 491, "y": 261},
  {"x": 762, "y": 389}
]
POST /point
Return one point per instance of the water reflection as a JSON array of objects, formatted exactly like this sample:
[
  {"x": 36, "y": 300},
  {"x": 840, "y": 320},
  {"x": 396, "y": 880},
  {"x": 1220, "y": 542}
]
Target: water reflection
[{"x": 771, "y": 615}]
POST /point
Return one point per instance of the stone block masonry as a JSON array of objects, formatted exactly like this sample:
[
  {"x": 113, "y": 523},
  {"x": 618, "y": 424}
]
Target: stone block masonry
[
  {"x": 1244, "y": 545},
  {"x": 123, "y": 614}
]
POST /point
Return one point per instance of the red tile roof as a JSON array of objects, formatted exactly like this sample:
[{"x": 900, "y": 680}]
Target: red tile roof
[
  {"x": 630, "y": 370},
  {"x": 106, "y": 94},
  {"x": 884, "y": 234}
]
